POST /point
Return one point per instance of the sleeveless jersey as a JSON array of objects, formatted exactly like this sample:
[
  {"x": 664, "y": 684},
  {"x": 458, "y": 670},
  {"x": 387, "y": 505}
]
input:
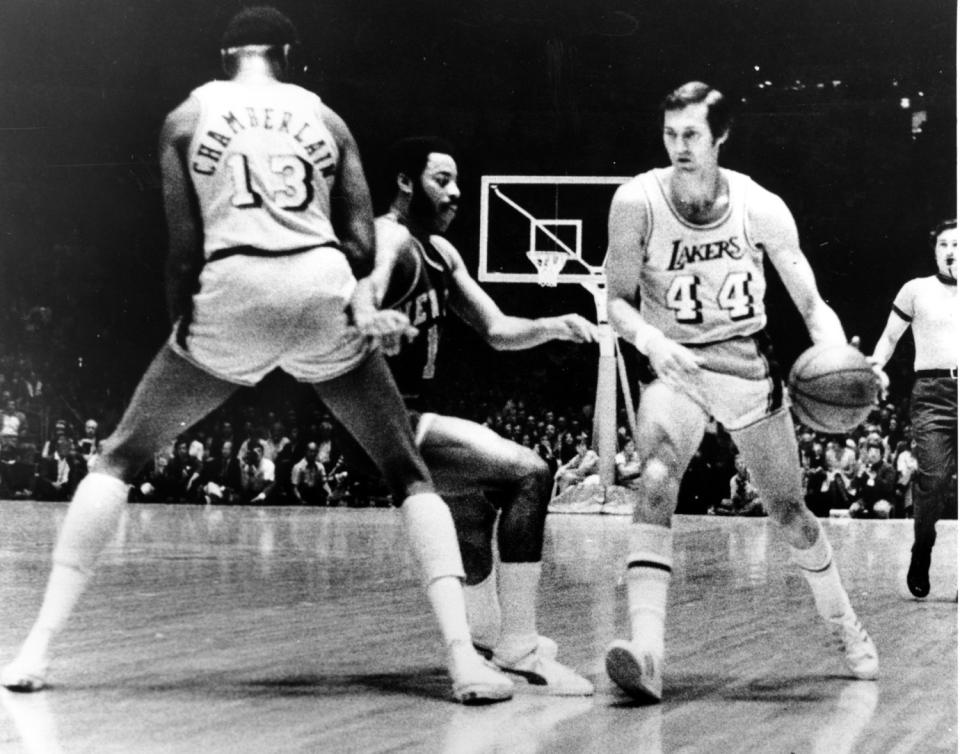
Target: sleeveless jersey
[
  {"x": 262, "y": 162},
  {"x": 426, "y": 306},
  {"x": 931, "y": 309},
  {"x": 700, "y": 283}
]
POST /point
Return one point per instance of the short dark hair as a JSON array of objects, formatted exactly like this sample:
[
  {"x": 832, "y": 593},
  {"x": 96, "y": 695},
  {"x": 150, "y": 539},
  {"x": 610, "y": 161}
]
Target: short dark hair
[
  {"x": 939, "y": 228},
  {"x": 719, "y": 111},
  {"x": 259, "y": 25},
  {"x": 409, "y": 156}
]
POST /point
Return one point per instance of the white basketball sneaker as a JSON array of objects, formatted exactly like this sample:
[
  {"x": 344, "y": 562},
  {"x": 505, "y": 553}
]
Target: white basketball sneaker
[
  {"x": 475, "y": 681},
  {"x": 859, "y": 651},
  {"x": 638, "y": 671},
  {"x": 546, "y": 646},
  {"x": 544, "y": 674},
  {"x": 22, "y": 677}
]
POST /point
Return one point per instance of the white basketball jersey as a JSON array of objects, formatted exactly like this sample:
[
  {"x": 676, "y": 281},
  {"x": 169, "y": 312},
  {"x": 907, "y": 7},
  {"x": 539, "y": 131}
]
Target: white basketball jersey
[
  {"x": 262, "y": 161},
  {"x": 700, "y": 283}
]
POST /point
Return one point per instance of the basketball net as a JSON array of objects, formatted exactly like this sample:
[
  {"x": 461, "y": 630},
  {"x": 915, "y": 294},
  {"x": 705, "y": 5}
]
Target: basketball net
[{"x": 548, "y": 264}]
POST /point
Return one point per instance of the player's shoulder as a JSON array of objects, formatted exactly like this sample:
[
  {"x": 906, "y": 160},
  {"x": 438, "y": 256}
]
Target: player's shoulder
[
  {"x": 446, "y": 250},
  {"x": 633, "y": 190},
  {"x": 182, "y": 120}
]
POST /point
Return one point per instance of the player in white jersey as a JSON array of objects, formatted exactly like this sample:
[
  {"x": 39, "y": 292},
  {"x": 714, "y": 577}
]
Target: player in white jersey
[
  {"x": 690, "y": 241},
  {"x": 270, "y": 227},
  {"x": 928, "y": 305}
]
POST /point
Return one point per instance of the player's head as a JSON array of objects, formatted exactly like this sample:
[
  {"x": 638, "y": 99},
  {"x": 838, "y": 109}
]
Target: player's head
[
  {"x": 944, "y": 237},
  {"x": 258, "y": 31},
  {"x": 696, "y": 120},
  {"x": 423, "y": 170}
]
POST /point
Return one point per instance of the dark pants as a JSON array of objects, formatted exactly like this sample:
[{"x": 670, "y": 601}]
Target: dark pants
[{"x": 933, "y": 413}]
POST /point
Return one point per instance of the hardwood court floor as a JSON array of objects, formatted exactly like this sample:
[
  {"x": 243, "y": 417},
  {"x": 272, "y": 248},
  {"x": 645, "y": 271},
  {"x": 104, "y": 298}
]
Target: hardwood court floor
[{"x": 305, "y": 630}]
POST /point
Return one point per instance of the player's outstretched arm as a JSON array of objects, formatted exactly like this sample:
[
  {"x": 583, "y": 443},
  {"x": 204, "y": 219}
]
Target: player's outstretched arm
[
  {"x": 502, "y": 331},
  {"x": 627, "y": 232},
  {"x": 184, "y": 226},
  {"x": 773, "y": 229}
]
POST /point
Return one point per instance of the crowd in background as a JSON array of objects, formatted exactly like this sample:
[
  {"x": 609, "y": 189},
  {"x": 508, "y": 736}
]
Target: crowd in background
[{"x": 281, "y": 447}]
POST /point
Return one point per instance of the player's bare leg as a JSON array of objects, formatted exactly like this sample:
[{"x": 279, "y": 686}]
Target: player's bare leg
[
  {"x": 172, "y": 396},
  {"x": 367, "y": 403},
  {"x": 670, "y": 427},
  {"x": 769, "y": 448},
  {"x": 501, "y": 600}
]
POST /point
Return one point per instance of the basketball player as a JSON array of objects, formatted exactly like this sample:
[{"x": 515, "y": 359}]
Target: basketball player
[
  {"x": 690, "y": 239},
  {"x": 929, "y": 306},
  {"x": 423, "y": 275},
  {"x": 270, "y": 227}
]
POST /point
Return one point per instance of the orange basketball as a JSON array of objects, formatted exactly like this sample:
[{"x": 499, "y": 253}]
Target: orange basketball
[{"x": 832, "y": 387}]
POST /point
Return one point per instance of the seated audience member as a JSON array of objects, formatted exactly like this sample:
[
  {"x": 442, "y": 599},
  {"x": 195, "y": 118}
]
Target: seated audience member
[
  {"x": 627, "y": 464},
  {"x": 308, "y": 479},
  {"x": 60, "y": 429},
  {"x": 219, "y": 480},
  {"x": 838, "y": 488},
  {"x": 151, "y": 483},
  {"x": 13, "y": 422},
  {"x": 275, "y": 441},
  {"x": 744, "y": 497},
  {"x": 876, "y": 484},
  {"x": 182, "y": 473},
  {"x": 906, "y": 465},
  {"x": 256, "y": 475},
  {"x": 59, "y": 475},
  {"x": 88, "y": 444},
  {"x": 583, "y": 464}
]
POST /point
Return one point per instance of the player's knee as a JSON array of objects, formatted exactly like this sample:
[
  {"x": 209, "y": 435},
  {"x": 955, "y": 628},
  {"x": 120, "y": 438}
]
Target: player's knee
[
  {"x": 785, "y": 509},
  {"x": 658, "y": 476},
  {"x": 534, "y": 472}
]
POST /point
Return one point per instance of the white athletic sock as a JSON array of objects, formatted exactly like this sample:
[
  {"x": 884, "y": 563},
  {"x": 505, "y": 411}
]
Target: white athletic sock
[
  {"x": 433, "y": 538},
  {"x": 90, "y": 523},
  {"x": 648, "y": 579},
  {"x": 819, "y": 569},
  {"x": 518, "y": 599},
  {"x": 483, "y": 610}
]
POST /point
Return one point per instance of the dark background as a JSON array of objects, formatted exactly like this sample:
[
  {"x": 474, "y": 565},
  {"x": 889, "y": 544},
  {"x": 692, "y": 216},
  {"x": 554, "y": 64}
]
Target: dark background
[{"x": 550, "y": 87}]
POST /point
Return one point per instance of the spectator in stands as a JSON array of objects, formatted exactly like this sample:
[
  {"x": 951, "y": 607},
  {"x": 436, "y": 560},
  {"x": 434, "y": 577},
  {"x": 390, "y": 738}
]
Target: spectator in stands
[
  {"x": 88, "y": 444},
  {"x": 308, "y": 479},
  {"x": 257, "y": 478},
  {"x": 744, "y": 497},
  {"x": 876, "y": 484},
  {"x": 275, "y": 441},
  {"x": 13, "y": 423},
  {"x": 59, "y": 475},
  {"x": 219, "y": 480},
  {"x": 60, "y": 429},
  {"x": 627, "y": 463},
  {"x": 905, "y": 462},
  {"x": 583, "y": 464},
  {"x": 182, "y": 473}
]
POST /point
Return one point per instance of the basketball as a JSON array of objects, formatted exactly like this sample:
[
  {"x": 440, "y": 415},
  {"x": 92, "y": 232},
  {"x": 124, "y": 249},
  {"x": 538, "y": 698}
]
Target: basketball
[
  {"x": 403, "y": 277},
  {"x": 832, "y": 387}
]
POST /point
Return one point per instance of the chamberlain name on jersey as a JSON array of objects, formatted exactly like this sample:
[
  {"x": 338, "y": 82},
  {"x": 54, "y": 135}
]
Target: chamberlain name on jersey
[
  {"x": 700, "y": 283},
  {"x": 263, "y": 162}
]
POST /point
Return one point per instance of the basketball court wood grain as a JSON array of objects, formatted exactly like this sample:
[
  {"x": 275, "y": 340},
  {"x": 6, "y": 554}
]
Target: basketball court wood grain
[{"x": 305, "y": 630}]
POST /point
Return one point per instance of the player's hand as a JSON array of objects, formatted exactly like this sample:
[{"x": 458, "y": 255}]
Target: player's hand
[
  {"x": 883, "y": 381},
  {"x": 577, "y": 329},
  {"x": 671, "y": 361},
  {"x": 386, "y": 324}
]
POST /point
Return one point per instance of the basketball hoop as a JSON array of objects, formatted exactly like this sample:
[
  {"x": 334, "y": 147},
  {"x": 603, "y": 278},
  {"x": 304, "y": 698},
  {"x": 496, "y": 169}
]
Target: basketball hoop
[{"x": 548, "y": 264}]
